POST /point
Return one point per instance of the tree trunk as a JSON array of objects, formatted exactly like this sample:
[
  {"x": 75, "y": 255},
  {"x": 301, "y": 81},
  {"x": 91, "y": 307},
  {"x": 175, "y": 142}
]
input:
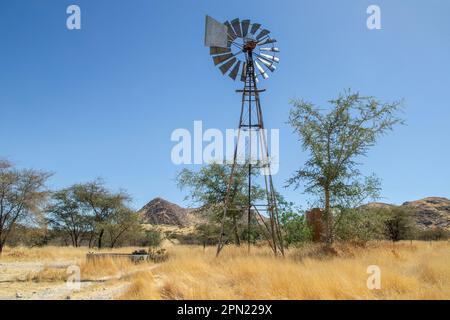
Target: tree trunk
[
  {"x": 1, "y": 248},
  {"x": 72, "y": 239},
  {"x": 236, "y": 233},
  {"x": 329, "y": 218},
  {"x": 76, "y": 240},
  {"x": 100, "y": 236},
  {"x": 91, "y": 238},
  {"x": 113, "y": 241}
]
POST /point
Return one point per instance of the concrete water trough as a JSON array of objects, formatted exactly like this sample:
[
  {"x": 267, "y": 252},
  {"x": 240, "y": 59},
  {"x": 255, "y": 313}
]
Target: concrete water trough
[{"x": 134, "y": 257}]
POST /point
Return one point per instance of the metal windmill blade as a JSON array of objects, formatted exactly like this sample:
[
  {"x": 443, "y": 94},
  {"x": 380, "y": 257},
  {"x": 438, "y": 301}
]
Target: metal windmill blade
[
  {"x": 273, "y": 49},
  {"x": 255, "y": 28},
  {"x": 266, "y": 41},
  {"x": 261, "y": 70},
  {"x": 218, "y": 50},
  {"x": 233, "y": 74},
  {"x": 245, "y": 25},
  {"x": 268, "y": 64},
  {"x": 222, "y": 58},
  {"x": 227, "y": 65},
  {"x": 262, "y": 34},
  {"x": 231, "y": 34},
  {"x": 271, "y": 58},
  {"x": 236, "y": 24}
]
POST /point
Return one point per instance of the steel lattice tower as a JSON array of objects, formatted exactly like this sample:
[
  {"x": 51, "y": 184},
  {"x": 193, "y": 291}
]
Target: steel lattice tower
[{"x": 251, "y": 106}]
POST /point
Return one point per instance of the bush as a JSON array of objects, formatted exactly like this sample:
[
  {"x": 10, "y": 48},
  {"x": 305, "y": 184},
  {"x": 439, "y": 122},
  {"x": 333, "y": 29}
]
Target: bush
[
  {"x": 435, "y": 234},
  {"x": 361, "y": 225},
  {"x": 399, "y": 224},
  {"x": 152, "y": 238},
  {"x": 208, "y": 233},
  {"x": 295, "y": 229}
]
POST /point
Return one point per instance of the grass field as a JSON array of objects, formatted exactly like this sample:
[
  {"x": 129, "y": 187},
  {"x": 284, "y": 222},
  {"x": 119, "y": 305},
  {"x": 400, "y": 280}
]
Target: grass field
[{"x": 408, "y": 271}]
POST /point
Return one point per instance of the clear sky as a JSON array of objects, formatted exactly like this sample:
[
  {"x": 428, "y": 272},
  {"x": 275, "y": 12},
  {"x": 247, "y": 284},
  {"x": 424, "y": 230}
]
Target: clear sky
[{"x": 103, "y": 101}]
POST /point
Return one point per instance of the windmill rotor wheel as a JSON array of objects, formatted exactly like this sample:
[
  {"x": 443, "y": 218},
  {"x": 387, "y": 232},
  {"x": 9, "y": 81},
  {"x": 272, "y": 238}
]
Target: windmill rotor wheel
[{"x": 244, "y": 37}]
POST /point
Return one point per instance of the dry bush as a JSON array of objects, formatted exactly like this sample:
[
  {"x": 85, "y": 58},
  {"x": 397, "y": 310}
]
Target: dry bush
[
  {"x": 408, "y": 271},
  {"x": 48, "y": 275},
  {"x": 54, "y": 253},
  {"x": 143, "y": 287},
  {"x": 105, "y": 266},
  {"x": 43, "y": 254}
]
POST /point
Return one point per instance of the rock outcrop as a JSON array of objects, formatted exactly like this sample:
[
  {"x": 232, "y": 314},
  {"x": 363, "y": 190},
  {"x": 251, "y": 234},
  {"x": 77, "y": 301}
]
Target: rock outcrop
[
  {"x": 160, "y": 211},
  {"x": 428, "y": 213}
]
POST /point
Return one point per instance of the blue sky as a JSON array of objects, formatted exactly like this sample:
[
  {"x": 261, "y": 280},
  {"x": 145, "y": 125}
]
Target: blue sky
[{"x": 103, "y": 101}]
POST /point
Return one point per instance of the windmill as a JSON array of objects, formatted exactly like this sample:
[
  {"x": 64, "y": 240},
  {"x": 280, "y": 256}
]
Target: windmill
[{"x": 245, "y": 50}]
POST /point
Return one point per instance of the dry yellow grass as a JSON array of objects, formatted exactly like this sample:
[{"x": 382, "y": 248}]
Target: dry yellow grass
[
  {"x": 103, "y": 267},
  {"x": 144, "y": 286},
  {"x": 408, "y": 271},
  {"x": 54, "y": 253},
  {"x": 46, "y": 275},
  {"x": 42, "y": 254}
]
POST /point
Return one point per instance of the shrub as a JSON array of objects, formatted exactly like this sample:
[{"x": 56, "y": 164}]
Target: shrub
[{"x": 435, "y": 234}]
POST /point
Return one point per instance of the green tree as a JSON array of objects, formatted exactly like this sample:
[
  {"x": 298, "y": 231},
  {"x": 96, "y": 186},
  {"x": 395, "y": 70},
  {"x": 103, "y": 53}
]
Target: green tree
[
  {"x": 100, "y": 204},
  {"x": 22, "y": 192},
  {"x": 335, "y": 141},
  {"x": 207, "y": 188},
  {"x": 65, "y": 213},
  {"x": 123, "y": 223},
  {"x": 399, "y": 224}
]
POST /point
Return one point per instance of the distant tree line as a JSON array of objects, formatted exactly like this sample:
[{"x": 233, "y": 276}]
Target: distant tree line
[{"x": 83, "y": 214}]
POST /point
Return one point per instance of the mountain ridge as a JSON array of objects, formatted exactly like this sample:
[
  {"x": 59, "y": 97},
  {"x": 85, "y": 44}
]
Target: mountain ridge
[{"x": 428, "y": 213}]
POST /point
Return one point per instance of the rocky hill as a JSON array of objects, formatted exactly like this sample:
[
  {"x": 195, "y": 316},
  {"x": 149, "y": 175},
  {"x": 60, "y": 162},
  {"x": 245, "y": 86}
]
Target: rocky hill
[
  {"x": 428, "y": 213},
  {"x": 431, "y": 212},
  {"x": 162, "y": 212}
]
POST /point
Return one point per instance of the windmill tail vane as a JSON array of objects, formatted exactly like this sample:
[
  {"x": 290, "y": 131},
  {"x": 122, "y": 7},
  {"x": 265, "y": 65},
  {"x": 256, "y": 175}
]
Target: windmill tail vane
[{"x": 245, "y": 50}]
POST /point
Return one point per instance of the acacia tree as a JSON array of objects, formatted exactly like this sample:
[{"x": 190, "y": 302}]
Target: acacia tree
[
  {"x": 91, "y": 208},
  {"x": 65, "y": 213},
  {"x": 334, "y": 141},
  {"x": 208, "y": 189},
  {"x": 22, "y": 192},
  {"x": 123, "y": 223},
  {"x": 100, "y": 204}
]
